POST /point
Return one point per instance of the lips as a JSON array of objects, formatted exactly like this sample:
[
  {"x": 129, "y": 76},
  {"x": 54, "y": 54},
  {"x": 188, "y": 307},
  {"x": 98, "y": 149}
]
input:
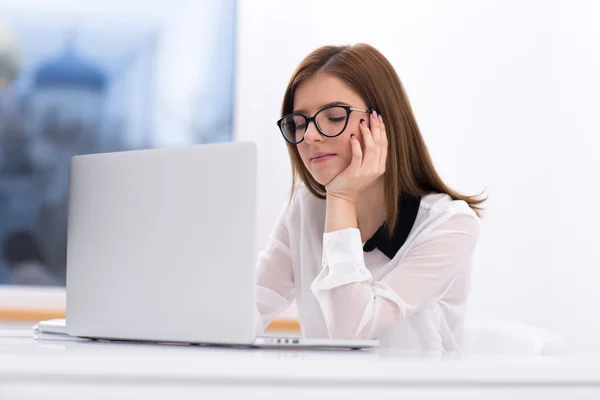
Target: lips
[{"x": 317, "y": 156}]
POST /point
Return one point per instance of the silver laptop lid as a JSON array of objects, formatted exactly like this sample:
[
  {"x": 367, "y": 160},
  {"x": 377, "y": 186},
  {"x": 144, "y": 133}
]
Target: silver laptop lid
[{"x": 161, "y": 244}]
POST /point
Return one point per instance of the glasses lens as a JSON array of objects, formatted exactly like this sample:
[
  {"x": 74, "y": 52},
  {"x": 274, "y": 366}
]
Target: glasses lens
[
  {"x": 332, "y": 121},
  {"x": 293, "y": 128}
]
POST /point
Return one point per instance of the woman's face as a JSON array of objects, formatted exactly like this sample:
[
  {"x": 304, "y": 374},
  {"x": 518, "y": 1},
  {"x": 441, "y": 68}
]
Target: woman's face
[{"x": 325, "y": 157}]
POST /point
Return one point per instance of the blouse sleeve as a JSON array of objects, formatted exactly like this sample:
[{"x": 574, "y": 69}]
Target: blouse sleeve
[
  {"x": 275, "y": 278},
  {"x": 356, "y": 307}
]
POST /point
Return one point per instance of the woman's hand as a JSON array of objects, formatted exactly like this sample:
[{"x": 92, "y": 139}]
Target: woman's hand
[{"x": 366, "y": 166}]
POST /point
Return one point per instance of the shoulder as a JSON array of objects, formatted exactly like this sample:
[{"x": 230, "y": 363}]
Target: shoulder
[
  {"x": 304, "y": 206},
  {"x": 437, "y": 209},
  {"x": 441, "y": 203},
  {"x": 303, "y": 197}
]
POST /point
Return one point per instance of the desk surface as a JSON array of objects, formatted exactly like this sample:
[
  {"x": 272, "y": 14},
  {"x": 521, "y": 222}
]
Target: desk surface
[{"x": 27, "y": 365}]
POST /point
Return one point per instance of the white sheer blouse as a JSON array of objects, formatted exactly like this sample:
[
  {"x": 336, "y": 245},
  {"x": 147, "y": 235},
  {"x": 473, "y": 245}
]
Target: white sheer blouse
[{"x": 408, "y": 292}]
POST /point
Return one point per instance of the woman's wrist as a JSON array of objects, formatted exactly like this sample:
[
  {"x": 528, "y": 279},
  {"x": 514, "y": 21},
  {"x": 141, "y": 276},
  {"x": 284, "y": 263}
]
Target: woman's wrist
[{"x": 340, "y": 213}]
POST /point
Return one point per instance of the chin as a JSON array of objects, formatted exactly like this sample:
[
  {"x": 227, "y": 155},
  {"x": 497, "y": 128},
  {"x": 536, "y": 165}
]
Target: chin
[
  {"x": 323, "y": 179},
  {"x": 324, "y": 174}
]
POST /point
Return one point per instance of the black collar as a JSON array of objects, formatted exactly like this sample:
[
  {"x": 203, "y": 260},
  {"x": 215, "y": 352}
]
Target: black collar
[{"x": 407, "y": 214}]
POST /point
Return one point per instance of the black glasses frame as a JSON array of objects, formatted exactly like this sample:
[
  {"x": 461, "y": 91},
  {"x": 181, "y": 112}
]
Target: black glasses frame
[{"x": 348, "y": 109}]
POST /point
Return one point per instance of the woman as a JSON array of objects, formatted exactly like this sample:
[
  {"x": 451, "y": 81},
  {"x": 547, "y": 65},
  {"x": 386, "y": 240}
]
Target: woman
[{"x": 372, "y": 244}]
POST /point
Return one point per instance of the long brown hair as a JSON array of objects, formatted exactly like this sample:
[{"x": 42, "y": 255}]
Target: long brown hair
[{"x": 409, "y": 170}]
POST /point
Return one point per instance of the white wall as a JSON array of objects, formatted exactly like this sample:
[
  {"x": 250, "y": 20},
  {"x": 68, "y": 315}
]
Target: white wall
[
  {"x": 505, "y": 93},
  {"x": 192, "y": 45},
  {"x": 574, "y": 224}
]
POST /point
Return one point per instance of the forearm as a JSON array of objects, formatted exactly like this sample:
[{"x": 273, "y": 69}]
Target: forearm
[{"x": 340, "y": 214}]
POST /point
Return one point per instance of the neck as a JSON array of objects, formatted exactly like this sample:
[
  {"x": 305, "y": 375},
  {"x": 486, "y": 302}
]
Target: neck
[{"x": 371, "y": 210}]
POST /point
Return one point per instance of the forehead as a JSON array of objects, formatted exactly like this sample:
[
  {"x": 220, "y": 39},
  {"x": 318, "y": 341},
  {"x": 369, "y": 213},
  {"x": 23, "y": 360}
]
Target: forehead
[{"x": 324, "y": 89}]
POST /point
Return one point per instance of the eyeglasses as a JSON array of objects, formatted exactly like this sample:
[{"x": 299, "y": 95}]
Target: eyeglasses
[{"x": 330, "y": 122}]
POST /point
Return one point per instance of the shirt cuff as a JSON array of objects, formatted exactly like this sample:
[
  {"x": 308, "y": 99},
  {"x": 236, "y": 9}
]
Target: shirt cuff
[{"x": 343, "y": 254}]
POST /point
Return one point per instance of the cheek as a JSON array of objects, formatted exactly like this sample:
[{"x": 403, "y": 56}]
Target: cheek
[
  {"x": 344, "y": 149},
  {"x": 303, "y": 153}
]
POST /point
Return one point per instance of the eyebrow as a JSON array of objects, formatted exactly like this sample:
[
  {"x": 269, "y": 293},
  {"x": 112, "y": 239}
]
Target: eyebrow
[{"x": 334, "y": 103}]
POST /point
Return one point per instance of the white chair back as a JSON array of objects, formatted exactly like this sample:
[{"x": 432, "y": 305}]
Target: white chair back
[{"x": 503, "y": 337}]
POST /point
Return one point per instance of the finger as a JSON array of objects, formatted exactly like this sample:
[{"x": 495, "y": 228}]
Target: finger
[
  {"x": 375, "y": 126},
  {"x": 370, "y": 154},
  {"x": 357, "y": 155},
  {"x": 377, "y": 136},
  {"x": 383, "y": 143}
]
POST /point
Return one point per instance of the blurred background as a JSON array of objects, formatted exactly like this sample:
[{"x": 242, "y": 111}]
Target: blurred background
[
  {"x": 100, "y": 76},
  {"x": 506, "y": 94}
]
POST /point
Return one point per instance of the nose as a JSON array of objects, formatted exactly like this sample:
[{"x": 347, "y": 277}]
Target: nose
[{"x": 312, "y": 133}]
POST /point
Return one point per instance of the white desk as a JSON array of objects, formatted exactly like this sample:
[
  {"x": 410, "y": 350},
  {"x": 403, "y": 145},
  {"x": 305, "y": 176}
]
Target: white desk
[{"x": 53, "y": 369}]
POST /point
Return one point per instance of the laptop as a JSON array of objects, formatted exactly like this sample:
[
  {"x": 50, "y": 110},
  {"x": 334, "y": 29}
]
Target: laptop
[{"x": 161, "y": 247}]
